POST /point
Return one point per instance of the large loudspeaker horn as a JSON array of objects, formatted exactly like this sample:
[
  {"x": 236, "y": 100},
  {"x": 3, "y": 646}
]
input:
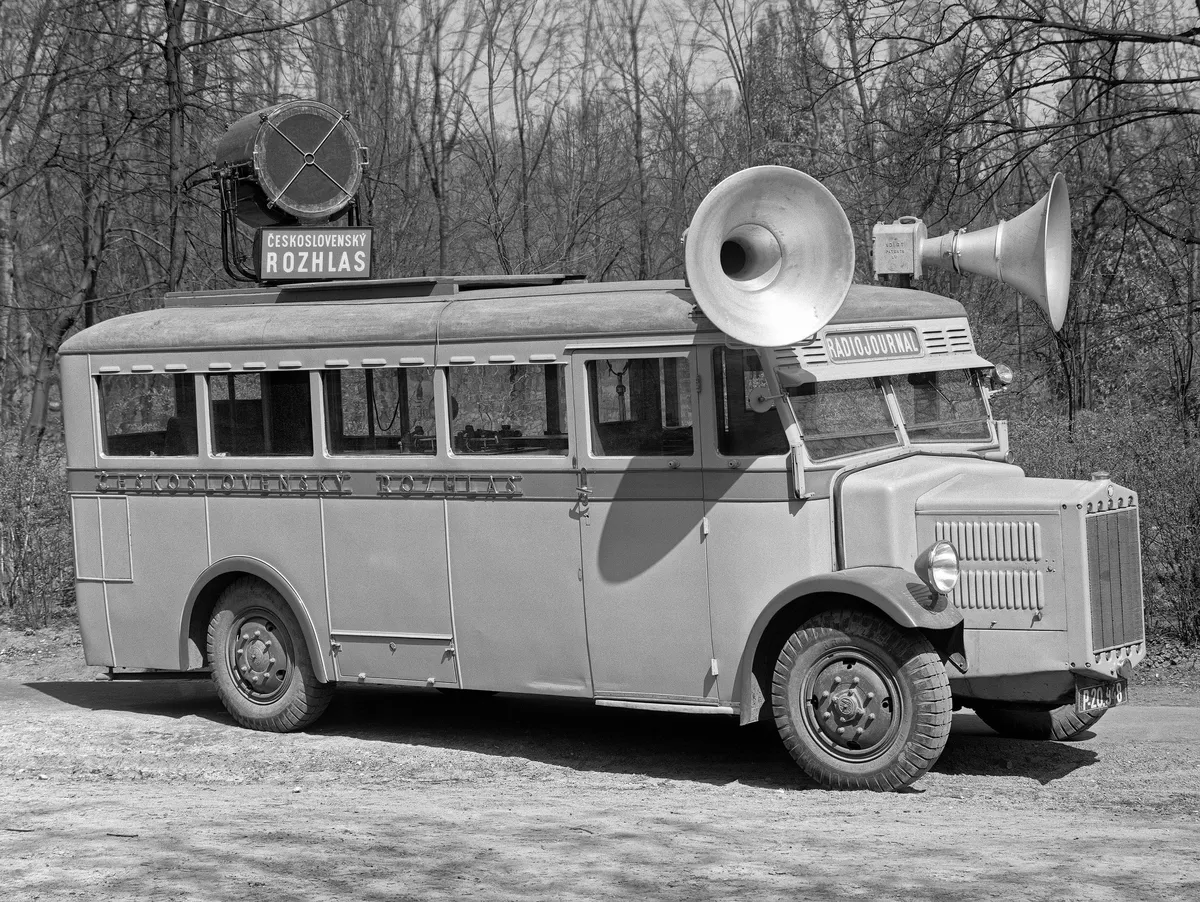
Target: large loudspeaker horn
[
  {"x": 1031, "y": 253},
  {"x": 770, "y": 256}
]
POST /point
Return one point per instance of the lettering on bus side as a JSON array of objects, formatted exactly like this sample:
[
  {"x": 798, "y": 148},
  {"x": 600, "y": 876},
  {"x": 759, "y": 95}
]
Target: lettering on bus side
[
  {"x": 192, "y": 483},
  {"x": 413, "y": 485}
]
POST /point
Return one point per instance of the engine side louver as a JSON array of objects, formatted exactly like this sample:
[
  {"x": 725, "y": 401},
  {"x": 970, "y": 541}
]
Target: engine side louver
[{"x": 1018, "y": 587}]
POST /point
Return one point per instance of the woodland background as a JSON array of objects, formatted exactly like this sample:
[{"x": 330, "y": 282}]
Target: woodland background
[{"x": 539, "y": 136}]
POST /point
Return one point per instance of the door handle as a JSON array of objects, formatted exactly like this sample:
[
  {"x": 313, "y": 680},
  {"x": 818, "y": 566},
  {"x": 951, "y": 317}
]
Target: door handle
[{"x": 584, "y": 490}]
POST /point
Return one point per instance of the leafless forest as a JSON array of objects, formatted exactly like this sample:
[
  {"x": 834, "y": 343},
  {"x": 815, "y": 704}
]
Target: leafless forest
[{"x": 538, "y": 136}]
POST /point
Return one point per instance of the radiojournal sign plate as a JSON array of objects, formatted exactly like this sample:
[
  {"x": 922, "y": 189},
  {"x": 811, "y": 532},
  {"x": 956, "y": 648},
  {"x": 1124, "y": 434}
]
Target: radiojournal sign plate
[
  {"x": 874, "y": 344},
  {"x": 312, "y": 255}
]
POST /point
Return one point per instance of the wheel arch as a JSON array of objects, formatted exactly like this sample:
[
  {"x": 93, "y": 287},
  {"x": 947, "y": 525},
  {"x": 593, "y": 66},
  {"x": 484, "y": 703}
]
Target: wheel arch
[
  {"x": 897, "y": 594},
  {"x": 207, "y": 589}
]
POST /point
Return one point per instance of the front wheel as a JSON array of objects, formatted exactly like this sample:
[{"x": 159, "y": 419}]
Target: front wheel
[
  {"x": 861, "y": 703},
  {"x": 260, "y": 661},
  {"x": 1016, "y": 722}
]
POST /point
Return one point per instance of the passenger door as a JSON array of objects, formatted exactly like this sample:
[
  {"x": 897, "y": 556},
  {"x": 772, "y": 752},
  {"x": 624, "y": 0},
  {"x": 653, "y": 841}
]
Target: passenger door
[
  {"x": 645, "y": 579},
  {"x": 513, "y": 536}
]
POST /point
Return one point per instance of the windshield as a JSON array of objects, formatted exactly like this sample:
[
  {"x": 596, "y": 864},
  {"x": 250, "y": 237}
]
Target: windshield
[
  {"x": 848, "y": 416},
  {"x": 945, "y": 406},
  {"x": 843, "y": 417}
]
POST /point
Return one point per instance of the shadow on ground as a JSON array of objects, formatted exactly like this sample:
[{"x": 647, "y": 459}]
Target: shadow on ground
[{"x": 574, "y": 734}]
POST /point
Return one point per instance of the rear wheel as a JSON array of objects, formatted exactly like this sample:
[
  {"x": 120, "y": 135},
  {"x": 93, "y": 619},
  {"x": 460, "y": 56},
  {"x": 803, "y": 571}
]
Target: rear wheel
[
  {"x": 861, "y": 703},
  {"x": 1016, "y": 722},
  {"x": 260, "y": 661}
]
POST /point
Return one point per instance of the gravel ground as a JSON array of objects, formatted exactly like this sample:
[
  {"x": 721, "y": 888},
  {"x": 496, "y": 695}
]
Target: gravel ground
[{"x": 147, "y": 790}]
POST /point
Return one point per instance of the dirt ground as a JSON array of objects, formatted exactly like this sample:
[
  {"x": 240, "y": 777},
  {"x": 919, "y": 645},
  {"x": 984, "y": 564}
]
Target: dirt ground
[{"x": 147, "y": 790}]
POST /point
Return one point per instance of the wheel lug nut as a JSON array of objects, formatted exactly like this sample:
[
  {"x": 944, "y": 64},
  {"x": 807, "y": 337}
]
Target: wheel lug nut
[
  {"x": 870, "y": 717},
  {"x": 827, "y": 715},
  {"x": 841, "y": 730},
  {"x": 272, "y": 660},
  {"x": 257, "y": 633},
  {"x": 870, "y": 695},
  {"x": 836, "y": 680},
  {"x": 824, "y": 695}
]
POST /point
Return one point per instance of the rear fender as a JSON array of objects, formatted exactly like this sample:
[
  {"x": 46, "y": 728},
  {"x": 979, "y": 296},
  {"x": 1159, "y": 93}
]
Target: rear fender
[{"x": 272, "y": 577}]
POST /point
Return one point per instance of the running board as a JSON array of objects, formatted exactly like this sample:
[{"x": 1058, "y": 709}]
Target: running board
[
  {"x": 121, "y": 676},
  {"x": 661, "y": 706}
]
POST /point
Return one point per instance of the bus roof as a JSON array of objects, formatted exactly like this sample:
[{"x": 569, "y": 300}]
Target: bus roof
[{"x": 578, "y": 311}]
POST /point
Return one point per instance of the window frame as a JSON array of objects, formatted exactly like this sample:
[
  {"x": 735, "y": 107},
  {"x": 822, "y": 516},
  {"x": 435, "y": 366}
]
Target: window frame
[
  {"x": 325, "y": 424},
  {"x": 101, "y": 427},
  {"x": 583, "y": 400},
  {"x": 315, "y": 416},
  {"x": 447, "y": 431}
]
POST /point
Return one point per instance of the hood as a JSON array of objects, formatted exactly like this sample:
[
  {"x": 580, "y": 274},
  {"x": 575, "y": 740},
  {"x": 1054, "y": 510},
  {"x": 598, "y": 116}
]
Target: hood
[{"x": 877, "y": 505}]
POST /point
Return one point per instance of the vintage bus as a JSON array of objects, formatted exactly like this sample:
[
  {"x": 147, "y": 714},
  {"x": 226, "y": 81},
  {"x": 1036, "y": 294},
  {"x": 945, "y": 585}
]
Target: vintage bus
[{"x": 538, "y": 484}]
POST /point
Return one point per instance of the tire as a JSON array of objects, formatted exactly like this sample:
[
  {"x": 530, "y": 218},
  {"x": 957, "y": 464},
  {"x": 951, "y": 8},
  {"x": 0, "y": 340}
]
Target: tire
[
  {"x": 1016, "y": 722},
  {"x": 861, "y": 703},
  {"x": 260, "y": 661}
]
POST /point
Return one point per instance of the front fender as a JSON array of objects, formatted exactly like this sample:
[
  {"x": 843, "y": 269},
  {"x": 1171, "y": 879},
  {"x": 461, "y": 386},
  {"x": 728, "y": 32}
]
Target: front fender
[
  {"x": 897, "y": 594},
  {"x": 273, "y": 578}
]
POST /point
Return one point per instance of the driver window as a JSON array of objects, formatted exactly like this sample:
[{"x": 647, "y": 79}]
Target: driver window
[
  {"x": 640, "y": 406},
  {"x": 741, "y": 431}
]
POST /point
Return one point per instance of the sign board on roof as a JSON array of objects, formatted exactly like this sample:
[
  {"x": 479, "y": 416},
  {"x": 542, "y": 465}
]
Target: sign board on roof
[{"x": 312, "y": 254}]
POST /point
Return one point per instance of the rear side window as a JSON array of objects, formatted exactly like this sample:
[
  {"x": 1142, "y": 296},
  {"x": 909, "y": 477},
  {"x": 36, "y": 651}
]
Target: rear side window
[
  {"x": 150, "y": 415},
  {"x": 261, "y": 415},
  {"x": 509, "y": 409},
  {"x": 380, "y": 411},
  {"x": 641, "y": 406}
]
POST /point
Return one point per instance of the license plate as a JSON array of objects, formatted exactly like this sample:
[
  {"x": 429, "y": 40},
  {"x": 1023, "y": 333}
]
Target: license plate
[{"x": 1099, "y": 696}]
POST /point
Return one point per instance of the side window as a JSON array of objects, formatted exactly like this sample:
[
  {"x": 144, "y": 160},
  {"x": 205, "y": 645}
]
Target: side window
[
  {"x": 509, "y": 409},
  {"x": 741, "y": 431},
  {"x": 380, "y": 411},
  {"x": 641, "y": 406},
  {"x": 151, "y": 415},
  {"x": 261, "y": 415}
]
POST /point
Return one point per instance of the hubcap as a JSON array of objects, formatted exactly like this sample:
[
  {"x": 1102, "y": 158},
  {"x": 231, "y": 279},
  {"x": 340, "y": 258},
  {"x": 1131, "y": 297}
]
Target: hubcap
[
  {"x": 852, "y": 704},
  {"x": 259, "y": 652}
]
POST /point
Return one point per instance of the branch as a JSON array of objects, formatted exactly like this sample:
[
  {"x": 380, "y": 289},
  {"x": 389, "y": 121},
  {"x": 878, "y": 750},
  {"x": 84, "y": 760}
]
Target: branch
[{"x": 266, "y": 29}]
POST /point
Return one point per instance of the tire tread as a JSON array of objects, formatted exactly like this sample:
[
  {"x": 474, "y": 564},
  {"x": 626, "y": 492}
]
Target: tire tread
[
  {"x": 307, "y": 698},
  {"x": 932, "y": 710}
]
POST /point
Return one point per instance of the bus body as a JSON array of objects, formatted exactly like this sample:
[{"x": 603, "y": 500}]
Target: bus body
[{"x": 543, "y": 485}]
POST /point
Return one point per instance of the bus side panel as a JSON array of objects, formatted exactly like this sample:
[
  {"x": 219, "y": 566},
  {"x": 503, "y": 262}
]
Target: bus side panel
[
  {"x": 518, "y": 598},
  {"x": 77, "y": 410},
  {"x": 282, "y": 532},
  {"x": 386, "y": 561},
  {"x": 93, "y": 624},
  {"x": 756, "y": 550},
  {"x": 164, "y": 549}
]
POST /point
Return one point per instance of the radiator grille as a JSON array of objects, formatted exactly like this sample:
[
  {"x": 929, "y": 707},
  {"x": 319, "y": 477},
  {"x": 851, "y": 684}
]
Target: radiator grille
[{"x": 1114, "y": 579}]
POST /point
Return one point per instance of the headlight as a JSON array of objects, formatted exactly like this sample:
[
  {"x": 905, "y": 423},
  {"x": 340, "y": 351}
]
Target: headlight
[{"x": 938, "y": 567}]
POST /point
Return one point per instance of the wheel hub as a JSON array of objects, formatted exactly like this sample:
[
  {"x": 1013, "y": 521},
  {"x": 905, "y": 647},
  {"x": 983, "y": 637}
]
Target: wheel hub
[
  {"x": 851, "y": 704},
  {"x": 260, "y": 658}
]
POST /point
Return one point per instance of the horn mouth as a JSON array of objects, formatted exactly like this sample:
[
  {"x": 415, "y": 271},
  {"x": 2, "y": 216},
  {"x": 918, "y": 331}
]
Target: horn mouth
[
  {"x": 770, "y": 256},
  {"x": 751, "y": 255}
]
